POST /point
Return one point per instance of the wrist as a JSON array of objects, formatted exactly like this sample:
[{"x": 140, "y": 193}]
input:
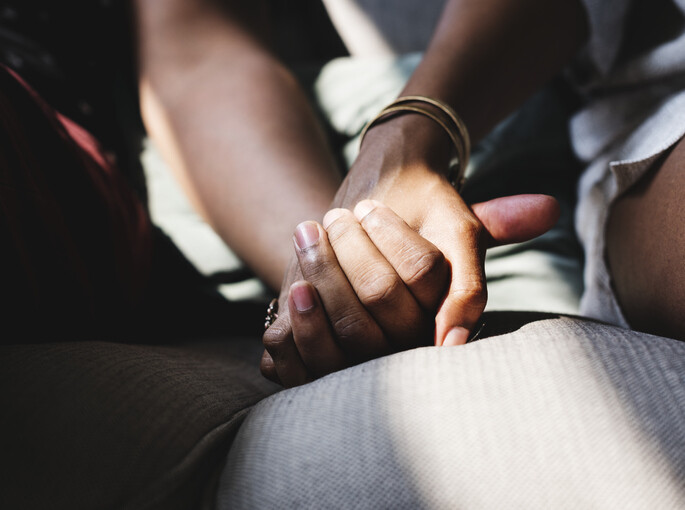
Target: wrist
[
  {"x": 404, "y": 156},
  {"x": 408, "y": 141}
]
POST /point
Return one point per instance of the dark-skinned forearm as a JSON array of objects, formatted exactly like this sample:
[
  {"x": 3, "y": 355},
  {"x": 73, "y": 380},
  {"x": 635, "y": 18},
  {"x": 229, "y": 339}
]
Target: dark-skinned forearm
[
  {"x": 235, "y": 127},
  {"x": 486, "y": 57}
]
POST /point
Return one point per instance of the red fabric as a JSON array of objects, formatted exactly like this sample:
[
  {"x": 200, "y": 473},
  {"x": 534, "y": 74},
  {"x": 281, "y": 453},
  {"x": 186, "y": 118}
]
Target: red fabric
[{"x": 75, "y": 240}]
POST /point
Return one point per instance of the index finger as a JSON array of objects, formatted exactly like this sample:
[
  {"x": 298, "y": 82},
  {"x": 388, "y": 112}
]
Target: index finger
[{"x": 463, "y": 241}]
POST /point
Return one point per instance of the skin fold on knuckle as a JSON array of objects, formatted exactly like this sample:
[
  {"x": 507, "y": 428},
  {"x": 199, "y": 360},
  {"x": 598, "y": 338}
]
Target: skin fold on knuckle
[
  {"x": 423, "y": 267},
  {"x": 375, "y": 221},
  {"x": 275, "y": 337},
  {"x": 376, "y": 290},
  {"x": 353, "y": 327},
  {"x": 470, "y": 229},
  {"x": 342, "y": 230},
  {"x": 471, "y": 298}
]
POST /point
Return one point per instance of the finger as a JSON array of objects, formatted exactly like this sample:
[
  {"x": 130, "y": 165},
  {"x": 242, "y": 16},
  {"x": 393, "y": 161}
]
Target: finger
[
  {"x": 460, "y": 236},
  {"x": 375, "y": 282},
  {"x": 499, "y": 221},
  {"x": 312, "y": 333},
  {"x": 466, "y": 298},
  {"x": 268, "y": 369},
  {"x": 517, "y": 218},
  {"x": 417, "y": 261},
  {"x": 355, "y": 330},
  {"x": 279, "y": 343}
]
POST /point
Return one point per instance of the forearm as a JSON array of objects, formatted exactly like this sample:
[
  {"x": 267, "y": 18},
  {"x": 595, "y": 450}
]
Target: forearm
[
  {"x": 236, "y": 128},
  {"x": 486, "y": 57}
]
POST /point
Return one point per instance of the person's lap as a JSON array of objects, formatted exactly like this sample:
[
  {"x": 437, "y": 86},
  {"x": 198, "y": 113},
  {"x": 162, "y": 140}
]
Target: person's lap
[{"x": 560, "y": 413}]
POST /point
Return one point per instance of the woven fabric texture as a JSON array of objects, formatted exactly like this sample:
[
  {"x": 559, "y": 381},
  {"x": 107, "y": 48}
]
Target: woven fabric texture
[
  {"x": 561, "y": 413},
  {"x": 107, "y": 425}
]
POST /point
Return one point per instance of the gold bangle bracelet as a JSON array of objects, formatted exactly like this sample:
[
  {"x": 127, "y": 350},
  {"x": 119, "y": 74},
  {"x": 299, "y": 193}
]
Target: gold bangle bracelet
[
  {"x": 456, "y": 141},
  {"x": 449, "y": 111},
  {"x": 452, "y": 124}
]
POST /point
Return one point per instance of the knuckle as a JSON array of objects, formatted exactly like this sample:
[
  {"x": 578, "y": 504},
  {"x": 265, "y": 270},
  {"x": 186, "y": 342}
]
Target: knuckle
[
  {"x": 470, "y": 228},
  {"x": 276, "y": 336},
  {"x": 379, "y": 290},
  {"x": 423, "y": 266},
  {"x": 316, "y": 268},
  {"x": 471, "y": 296},
  {"x": 351, "y": 326},
  {"x": 359, "y": 337},
  {"x": 341, "y": 228},
  {"x": 374, "y": 219}
]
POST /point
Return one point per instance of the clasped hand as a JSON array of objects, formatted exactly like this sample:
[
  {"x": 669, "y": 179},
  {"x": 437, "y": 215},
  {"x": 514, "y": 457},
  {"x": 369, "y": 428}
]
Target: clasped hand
[{"x": 371, "y": 284}]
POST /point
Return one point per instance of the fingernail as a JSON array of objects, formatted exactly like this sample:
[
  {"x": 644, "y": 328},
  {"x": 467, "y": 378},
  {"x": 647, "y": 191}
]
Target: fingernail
[
  {"x": 331, "y": 216},
  {"x": 306, "y": 235},
  {"x": 456, "y": 336},
  {"x": 365, "y": 207},
  {"x": 303, "y": 297}
]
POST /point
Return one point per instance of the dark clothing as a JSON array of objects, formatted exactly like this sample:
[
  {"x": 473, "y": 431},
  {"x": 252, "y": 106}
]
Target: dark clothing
[
  {"x": 78, "y": 55},
  {"x": 76, "y": 240}
]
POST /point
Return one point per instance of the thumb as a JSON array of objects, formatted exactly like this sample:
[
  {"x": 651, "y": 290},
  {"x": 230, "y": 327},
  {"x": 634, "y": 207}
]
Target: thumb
[
  {"x": 517, "y": 218},
  {"x": 505, "y": 220}
]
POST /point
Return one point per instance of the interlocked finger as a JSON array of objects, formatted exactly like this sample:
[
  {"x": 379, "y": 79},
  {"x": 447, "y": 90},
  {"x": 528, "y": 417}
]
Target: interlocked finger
[
  {"x": 374, "y": 280},
  {"x": 354, "y": 329},
  {"x": 418, "y": 262}
]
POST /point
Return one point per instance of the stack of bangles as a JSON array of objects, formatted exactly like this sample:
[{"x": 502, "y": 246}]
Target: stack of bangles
[
  {"x": 443, "y": 115},
  {"x": 446, "y": 118}
]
